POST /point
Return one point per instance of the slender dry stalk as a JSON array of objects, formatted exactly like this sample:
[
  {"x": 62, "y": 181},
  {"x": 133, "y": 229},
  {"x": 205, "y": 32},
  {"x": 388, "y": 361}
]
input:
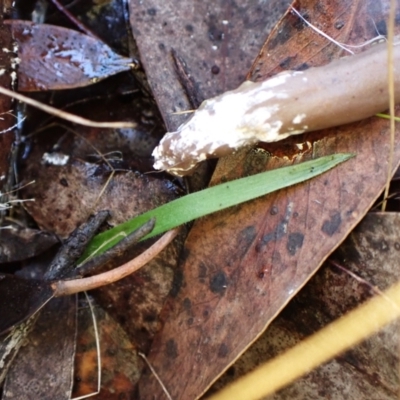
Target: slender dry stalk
[
  {"x": 63, "y": 288},
  {"x": 64, "y": 114}
]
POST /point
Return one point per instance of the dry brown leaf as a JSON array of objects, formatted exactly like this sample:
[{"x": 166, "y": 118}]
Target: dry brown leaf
[
  {"x": 371, "y": 252},
  {"x": 50, "y": 349},
  {"x": 119, "y": 360},
  {"x": 52, "y": 57},
  {"x": 243, "y": 266}
]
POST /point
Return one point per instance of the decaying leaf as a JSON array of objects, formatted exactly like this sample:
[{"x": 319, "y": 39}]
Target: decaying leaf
[
  {"x": 371, "y": 252},
  {"x": 121, "y": 367},
  {"x": 70, "y": 192},
  {"x": 239, "y": 269},
  {"x": 19, "y": 244},
  {"x": 233, "y": 286},
  {"x": 217, "y": 40},
  {"x": 159, "y": 190},
  {"x": 50, "y": 349},
  {"x": 52, "y": 57}
]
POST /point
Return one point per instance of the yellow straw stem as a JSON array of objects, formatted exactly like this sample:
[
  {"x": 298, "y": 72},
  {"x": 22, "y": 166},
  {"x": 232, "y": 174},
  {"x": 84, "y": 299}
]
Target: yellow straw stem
[{"x": 335, "y": 338}]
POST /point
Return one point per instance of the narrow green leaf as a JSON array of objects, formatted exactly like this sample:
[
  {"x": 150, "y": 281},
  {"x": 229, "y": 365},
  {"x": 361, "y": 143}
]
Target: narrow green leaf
[
  {"x": 216, "y": 198},
  {"x": 386, "y": 116}
]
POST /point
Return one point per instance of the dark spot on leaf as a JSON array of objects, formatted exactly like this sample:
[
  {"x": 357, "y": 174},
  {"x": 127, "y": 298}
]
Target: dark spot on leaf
[
  {"x": 332, "y": 225},
  {"x": 152, "y": 12},
  {"x": 274, "y": 210},
  {"x": 176, "y": 283},
  {"x": 215, "y": 70},
  {"x": 295, "y": 241},
  {"x": 378, "y": 245},
  {"x": 299, "y": 25},
  {"x": 202, "y": 274},
  {"x": 150, "y": 317},
  {"x": 161, "y": 46},
  {"x": 189, "y": 28},
  {"x": 218, "y": 282},
  {"x": 170, "y": 349},
  {"x": 384, "y": 246},
  {"x": 302, "y": 67},
  {"x": 286, "y": 63},
  {"x": 185, "y": 254},
  {"x": 190, "y": 321},
  {"x": 215, "y": 34},
  {"x": 247, "y": 236},
  {"x": 281, "y": 39},
  {"x": 277, "y": 234},
  {"x": 223, "y": 350},
  {"x": 187, "y": 304},
  {"x": 64, "y": 182},
  {"x": 339, "y": 25}
]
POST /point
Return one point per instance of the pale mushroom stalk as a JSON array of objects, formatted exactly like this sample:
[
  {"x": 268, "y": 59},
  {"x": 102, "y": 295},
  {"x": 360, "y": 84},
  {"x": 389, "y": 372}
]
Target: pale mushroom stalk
[{"x": 293, "y": 102}]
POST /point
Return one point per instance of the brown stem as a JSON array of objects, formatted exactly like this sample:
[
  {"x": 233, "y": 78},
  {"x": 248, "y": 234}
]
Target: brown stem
[
  {"x": 64, "y": 114},
  {"x": 73, "y": 19},
  {"x": 64, "y": 288}
]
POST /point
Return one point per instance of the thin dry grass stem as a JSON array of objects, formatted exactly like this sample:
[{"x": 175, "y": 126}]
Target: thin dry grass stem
[
  {"x": 97, "y": 340},
  {"x": 64, "y": 114},
  {"x": 169, "y": 397},
  {"x": 6, "y": 203},
  {"x": 74, "y": 20},
  {"x": 64, "y": 288},
  {"x": 100, "y": 154},
  {"x": 379, "y": 204},
  {"x": 317, "y": 349},
  {"x": 391, "y": 25},
  {"x": 183, "y": 112},
  {"x": 12, "y": 127},
  {"x": 345, "y": 47}
]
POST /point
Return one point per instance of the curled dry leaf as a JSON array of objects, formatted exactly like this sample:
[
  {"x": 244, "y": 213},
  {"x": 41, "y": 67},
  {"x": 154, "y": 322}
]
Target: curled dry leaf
[{"x": 52, "y": 57}]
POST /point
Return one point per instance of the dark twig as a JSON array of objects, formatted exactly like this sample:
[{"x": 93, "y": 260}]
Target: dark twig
[
  {"x": 74, "y": 20},
  {"x": 186, "y": 80}
]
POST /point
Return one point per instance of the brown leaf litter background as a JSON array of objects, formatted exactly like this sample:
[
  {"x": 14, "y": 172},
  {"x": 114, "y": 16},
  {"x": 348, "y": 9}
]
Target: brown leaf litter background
[
  {"x": 233, "y": 285},
  {"x": 240, "y": 267}
]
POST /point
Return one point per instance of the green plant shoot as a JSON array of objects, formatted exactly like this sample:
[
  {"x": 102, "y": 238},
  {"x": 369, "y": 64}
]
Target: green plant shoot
[{"x": 216, "y": 198}]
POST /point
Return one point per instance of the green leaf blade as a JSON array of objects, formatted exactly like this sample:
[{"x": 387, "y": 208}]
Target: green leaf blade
[{"x": 216, "y": 198}]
